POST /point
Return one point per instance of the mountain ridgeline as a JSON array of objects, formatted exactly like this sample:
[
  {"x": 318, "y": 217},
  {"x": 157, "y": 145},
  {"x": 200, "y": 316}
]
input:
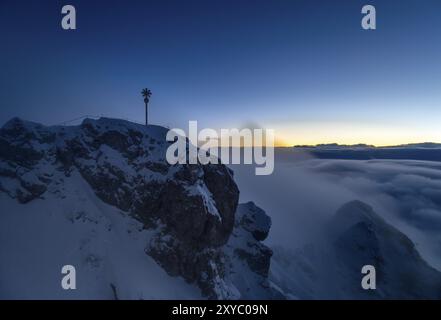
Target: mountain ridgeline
[
  {"x": 190, "y": 209},
  {"x": 101, "y": 196}
]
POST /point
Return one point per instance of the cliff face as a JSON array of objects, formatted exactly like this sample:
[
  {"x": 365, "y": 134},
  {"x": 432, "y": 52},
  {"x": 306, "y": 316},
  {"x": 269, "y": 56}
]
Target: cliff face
[{"x": 191, "y": 209}]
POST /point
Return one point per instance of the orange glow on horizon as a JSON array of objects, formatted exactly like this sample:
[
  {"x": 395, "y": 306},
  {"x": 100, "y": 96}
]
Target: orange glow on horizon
[{"x": 353, "y": 133}]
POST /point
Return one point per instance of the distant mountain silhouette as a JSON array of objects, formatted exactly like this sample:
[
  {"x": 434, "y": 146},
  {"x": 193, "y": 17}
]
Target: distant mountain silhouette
[
  {"x": 429, "y": 145},
  {"x": 428, "y": 151}
]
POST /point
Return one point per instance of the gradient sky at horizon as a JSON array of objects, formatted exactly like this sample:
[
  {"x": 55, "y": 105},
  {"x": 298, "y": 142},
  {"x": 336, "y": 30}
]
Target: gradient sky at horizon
[{"x": 304, "y": 68}]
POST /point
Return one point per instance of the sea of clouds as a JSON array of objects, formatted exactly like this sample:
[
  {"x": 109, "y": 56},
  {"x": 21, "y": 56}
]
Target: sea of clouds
[{"x": 303, "y": 193}]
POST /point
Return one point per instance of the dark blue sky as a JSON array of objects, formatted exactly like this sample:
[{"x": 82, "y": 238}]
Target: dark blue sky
[{"x": 305, "y": 68}]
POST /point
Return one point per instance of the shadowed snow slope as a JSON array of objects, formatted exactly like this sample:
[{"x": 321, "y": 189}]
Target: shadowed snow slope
[{"x": 330, "y": 268}]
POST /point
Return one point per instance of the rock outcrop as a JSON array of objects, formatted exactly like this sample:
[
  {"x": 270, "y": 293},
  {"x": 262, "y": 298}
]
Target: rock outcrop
[
  {"x": 248, "y": 258},
  {"x": 191, "y": 207}
]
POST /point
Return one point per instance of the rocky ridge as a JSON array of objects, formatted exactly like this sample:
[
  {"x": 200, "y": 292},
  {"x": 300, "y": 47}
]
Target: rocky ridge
[{"x": 193, "y": 209}]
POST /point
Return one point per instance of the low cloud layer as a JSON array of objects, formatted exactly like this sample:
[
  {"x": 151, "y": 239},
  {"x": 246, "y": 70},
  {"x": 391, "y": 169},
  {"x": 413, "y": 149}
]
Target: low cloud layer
[{"x": 303, "y": 194}]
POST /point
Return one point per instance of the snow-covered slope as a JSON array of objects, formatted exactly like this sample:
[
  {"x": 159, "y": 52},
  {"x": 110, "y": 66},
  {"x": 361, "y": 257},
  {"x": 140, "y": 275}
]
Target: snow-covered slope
[
  {"x": 74, "y": 227},
  {"x": 101, "y": 196},
  {"x": 330, "y": 268}
]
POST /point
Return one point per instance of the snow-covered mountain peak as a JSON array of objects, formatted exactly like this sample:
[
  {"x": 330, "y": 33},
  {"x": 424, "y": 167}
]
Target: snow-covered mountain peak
[
  {"x": 353, "y": 213},
  {"x": 190, "y": 209},
  {"x": 355, "y": 237}
]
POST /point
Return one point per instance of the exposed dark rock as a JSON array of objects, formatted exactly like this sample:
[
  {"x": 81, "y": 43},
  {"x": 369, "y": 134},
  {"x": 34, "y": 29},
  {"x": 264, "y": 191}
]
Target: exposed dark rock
[{"x": 249, "y": 259}]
